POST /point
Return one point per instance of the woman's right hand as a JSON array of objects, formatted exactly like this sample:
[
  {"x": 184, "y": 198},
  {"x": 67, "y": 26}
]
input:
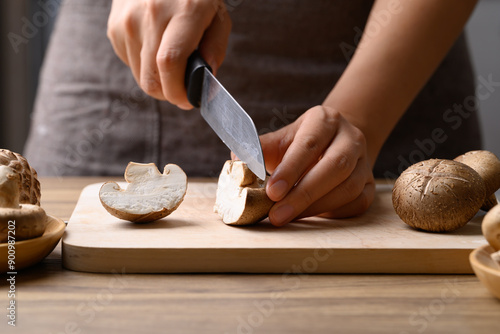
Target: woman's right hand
[{"x": 155, "y": 38}]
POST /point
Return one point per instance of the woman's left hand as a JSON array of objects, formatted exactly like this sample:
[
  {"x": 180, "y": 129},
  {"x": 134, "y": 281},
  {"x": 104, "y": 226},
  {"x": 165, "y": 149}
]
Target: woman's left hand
[{"x": 319, "y": 166}]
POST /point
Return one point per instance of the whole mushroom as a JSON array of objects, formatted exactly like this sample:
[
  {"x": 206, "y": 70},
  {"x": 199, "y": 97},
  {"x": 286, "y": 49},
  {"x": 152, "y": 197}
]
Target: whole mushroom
[
  {"x": 438, "y": 195},
  {"x": 487, "y": 165},
  {"x": 29, "y": 220}
]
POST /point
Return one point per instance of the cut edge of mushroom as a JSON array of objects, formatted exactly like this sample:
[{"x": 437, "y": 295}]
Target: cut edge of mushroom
[{"x": 241, "y": 197}]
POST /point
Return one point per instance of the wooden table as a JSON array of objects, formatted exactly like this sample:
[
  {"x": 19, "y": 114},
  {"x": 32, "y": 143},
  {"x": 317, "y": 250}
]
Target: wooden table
[{"x": 52, "y": 300}]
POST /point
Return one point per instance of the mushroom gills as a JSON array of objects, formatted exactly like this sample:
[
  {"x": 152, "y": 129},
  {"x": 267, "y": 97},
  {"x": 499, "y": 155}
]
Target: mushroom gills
[{"x": 149, "y": 195}]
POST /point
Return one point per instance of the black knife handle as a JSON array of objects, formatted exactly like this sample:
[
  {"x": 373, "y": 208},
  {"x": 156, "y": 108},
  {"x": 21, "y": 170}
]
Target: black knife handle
[{"x": 194, "y": 77}]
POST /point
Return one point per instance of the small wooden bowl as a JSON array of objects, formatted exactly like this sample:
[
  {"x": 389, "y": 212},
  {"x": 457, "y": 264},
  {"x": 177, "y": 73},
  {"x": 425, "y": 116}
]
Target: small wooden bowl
[
  {"x": 486, "y": 269},
  {"x": 31, "y": 251}
]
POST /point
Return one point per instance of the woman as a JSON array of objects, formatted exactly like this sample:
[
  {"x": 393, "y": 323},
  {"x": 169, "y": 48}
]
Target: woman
[{"x": 333, "y": 121}]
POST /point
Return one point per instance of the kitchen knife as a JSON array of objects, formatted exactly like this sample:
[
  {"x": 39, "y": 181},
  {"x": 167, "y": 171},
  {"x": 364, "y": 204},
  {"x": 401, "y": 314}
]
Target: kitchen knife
[{"x": 224, "y": 115}]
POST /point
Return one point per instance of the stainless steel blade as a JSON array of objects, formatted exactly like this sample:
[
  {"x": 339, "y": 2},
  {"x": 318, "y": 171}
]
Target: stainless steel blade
[{"x": 232, "y": 124}]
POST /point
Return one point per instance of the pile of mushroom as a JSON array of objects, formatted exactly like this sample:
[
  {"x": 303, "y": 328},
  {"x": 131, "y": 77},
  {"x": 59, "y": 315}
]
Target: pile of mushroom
[
  {"x": 440, "y": 195},
  {"x": 241, "y": 196},
  {"x": 29, "y": 220},
  {"x": 150, "y": 195}
]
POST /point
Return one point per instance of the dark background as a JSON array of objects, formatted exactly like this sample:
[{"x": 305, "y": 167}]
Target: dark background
[{"x": 19, "y": 71}]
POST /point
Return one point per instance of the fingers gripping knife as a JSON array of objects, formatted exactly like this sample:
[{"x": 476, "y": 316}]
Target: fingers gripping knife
[{"x": 224, "y": 115}]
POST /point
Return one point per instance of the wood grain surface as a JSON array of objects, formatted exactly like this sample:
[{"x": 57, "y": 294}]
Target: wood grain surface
[
  {"x": 52, "y": 300},
  {"x": 194, "y": 239}
]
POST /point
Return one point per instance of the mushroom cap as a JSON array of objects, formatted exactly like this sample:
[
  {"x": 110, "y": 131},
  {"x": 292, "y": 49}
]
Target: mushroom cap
[
  {"x": 241, "y": 197},
  {"x": 29, "y": 220},
  {"x": 487, "y": 165},
  {"x": 149, "y": 195},
  {"x": 438, "y": 195},
  {"x": 491, "y": 227},
  {"x": 29, "y": 187}
]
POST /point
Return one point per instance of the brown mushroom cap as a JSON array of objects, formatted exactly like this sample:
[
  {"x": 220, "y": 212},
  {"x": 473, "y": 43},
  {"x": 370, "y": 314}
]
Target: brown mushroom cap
[
  {"x": 491, "y": 227},
  {"x": 149, "y": 195},
  {"x": 487, "y": 165},
  {"x": 438, "y": 195},
  {"x": 241, "y": 196},
  {"x": 29, "y": 187}
]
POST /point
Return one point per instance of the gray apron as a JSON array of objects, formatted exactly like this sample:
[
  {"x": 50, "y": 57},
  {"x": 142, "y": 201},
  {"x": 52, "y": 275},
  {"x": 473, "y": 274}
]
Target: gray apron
[{"x": 284, "y": 56}]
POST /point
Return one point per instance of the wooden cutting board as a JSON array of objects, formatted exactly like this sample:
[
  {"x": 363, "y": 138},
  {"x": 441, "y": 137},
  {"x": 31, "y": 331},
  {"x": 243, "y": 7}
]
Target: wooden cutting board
[{"x": 194, "y": 239}]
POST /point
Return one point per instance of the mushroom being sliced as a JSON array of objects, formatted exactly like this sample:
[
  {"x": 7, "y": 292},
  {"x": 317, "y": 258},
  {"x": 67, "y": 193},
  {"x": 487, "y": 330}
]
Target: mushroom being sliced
[
  {"x": 149, "y": 195},
  {"x": 241, "y": 196}
]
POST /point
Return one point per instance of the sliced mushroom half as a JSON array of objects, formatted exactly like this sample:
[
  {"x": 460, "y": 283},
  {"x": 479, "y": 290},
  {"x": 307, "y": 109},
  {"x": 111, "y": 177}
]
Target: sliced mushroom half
[{"x": 149, "y": 195}]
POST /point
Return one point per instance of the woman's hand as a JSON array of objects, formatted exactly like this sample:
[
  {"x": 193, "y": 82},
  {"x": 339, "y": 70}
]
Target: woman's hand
[
  {"x": 155, "y": 38},
  {"x": 319, "y": 166}
]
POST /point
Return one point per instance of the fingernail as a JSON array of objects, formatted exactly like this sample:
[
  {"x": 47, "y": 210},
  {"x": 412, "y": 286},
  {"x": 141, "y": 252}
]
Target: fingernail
[
  {"x": 213, "y": 65},
  {"x": 282, "y": 214},
  {"x": 185, "y": 106},
  {"x": 278, "y": 190}
]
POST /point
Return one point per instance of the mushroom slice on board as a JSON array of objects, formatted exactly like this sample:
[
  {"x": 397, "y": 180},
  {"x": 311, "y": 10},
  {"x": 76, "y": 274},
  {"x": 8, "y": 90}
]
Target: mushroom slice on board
[
  {"x": 241, "y": 196},
  {"x": 149, "y": 195}
]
